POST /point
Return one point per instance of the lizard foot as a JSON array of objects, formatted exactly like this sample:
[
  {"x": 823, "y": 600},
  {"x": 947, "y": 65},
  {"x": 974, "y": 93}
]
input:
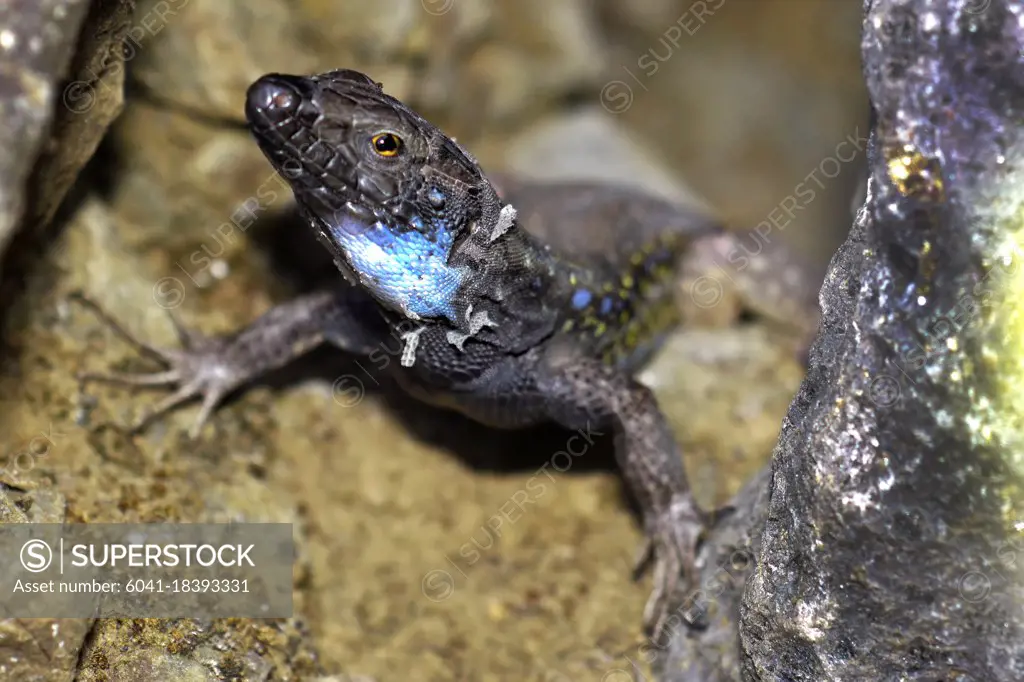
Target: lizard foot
[
  {"x": 197, "y": 369},
  {"x": 671, "y": 546}
]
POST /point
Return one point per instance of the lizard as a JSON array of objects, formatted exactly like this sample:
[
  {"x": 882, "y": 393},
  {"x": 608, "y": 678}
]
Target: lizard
[{"x": 519, "y": 302}]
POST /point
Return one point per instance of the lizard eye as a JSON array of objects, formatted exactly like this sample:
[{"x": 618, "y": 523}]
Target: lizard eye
[{"x": 386, "y": 144}]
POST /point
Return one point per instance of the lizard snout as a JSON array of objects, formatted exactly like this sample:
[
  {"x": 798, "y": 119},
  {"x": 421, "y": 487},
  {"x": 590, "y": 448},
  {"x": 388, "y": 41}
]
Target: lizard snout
[{"x": 272, "y": 98}]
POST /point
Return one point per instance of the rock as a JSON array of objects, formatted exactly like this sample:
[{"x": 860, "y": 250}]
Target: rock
[
  {"x": 41, "y": 649},
  {"x": 36, "y": 649},
  {"x": 892, "y": 544},
  {"x": 62, "y": 75},
  {"x": 36, "y": 44},
  {"x": 193, "y": 651},
  {"x": 42, "y": 505},
  {"x": 48, "y": 136},
  {"x": 588, "y": 144},
  {"x": 431, "y": 53},
  {"x": 92, "y": 97}
]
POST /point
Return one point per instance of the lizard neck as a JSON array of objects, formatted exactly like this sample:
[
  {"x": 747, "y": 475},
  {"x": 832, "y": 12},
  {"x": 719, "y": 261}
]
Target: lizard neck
[{"x": 513, "y": 279}]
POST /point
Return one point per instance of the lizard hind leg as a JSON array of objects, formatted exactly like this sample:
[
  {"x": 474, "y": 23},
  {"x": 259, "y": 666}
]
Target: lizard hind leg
[{"x": 582, "y": 392}]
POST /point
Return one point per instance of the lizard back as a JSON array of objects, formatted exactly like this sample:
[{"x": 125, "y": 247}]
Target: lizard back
[{"x": 620, "y": 250}]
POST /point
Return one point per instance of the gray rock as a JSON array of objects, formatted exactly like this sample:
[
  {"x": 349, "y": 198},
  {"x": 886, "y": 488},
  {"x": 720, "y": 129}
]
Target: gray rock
[
  {"x": 589, "y": 144},
  {"x": 37, "y": 649},
  {"x": 47, "y": 140},
  {"x": 41, "y": 649},
  {"x": 91, "y": 97},
  {"x": 37, "y": 39},
  {"x": 891, "y": 543}
]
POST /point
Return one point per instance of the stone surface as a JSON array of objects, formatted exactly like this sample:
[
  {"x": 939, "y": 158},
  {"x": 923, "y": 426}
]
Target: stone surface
[
  {"x": 47, "y": 140},
  {"x": 91, "y": 97},
  {"x": 37, "y": 40},
  {"x": 192, "y": 651},
  {"x": 435, "y": 54},
  {"x": 891, "y": 548},
  {"x": 41, "y": 649},
  {"x": 587, "y": 143},
  {"x": 36, "y": 649}
]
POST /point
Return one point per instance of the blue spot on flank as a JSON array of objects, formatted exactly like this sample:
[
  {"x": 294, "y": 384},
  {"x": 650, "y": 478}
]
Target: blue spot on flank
[
  {"x": 407, "y": 270},
  {"x": 581, "y": 298},
  {"x": 606, "y": 305}
]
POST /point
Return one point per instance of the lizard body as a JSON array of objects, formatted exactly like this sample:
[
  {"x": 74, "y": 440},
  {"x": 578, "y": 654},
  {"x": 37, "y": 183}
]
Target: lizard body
[{"x": 536, "y": 304}]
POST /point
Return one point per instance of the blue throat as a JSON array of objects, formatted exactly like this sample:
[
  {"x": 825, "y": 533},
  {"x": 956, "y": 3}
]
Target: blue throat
[{"x": 406, "y": 270}]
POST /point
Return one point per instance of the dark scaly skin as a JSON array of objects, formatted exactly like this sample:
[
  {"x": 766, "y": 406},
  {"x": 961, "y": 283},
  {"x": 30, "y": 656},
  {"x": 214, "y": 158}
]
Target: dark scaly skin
[{"x": 515, "y": 319}]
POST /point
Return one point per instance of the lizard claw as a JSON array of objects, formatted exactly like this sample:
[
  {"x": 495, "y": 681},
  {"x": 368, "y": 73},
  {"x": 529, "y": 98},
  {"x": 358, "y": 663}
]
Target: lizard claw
[
  {"x": 671, "y": 545},
  {"x": 643, "y": 559},
  {"x": 196, "y": 369}
]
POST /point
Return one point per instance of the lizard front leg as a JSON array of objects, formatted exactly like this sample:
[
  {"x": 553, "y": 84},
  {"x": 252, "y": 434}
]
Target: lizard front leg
[
  {"x": 579, "y": 391},
  {"x": 211, "y": 367}
]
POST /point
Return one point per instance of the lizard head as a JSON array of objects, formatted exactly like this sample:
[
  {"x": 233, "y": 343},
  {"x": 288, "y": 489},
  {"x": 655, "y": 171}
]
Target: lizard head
[{"x": 385, "y": 191}]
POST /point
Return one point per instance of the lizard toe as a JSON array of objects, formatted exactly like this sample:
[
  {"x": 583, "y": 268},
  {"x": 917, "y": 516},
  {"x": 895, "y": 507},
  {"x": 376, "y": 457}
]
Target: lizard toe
[
  {"x": 674, "y": 534},
  {"x": 198, "y": 369}
]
